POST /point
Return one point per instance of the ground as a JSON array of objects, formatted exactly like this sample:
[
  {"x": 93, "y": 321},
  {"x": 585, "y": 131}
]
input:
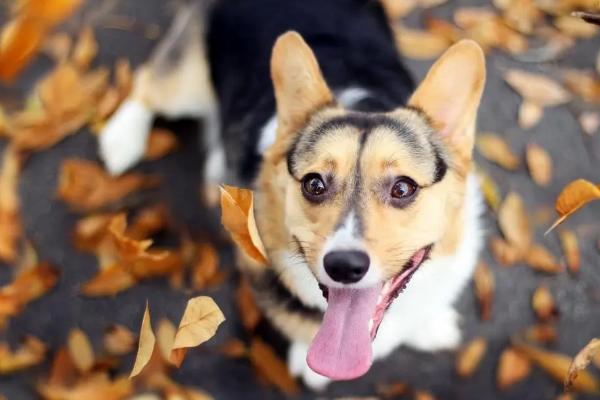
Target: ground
[{"x": 48, "y": 223}]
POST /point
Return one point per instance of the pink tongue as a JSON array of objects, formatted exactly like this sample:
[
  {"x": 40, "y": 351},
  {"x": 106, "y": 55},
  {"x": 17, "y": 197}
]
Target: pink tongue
[{"x": 342, "y": 348}]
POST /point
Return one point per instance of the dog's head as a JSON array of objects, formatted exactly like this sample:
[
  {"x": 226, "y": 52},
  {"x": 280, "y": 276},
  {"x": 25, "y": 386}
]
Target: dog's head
[{"x": 363, "y": 199}]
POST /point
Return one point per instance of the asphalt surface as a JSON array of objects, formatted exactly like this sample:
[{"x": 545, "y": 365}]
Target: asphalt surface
[{"x": 48, "y": 224}]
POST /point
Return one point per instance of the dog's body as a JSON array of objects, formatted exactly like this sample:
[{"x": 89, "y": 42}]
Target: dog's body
[{"x": 341, "y": 165}]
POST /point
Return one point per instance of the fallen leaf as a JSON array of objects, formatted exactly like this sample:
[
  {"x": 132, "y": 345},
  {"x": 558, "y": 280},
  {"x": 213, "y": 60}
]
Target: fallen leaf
[
  {"x": 234, "y": 348},
  {"x": 470, "y": 356},
  {"x": 160, "y": 143},
  {"x": 85, "y": 186},
  {"x": 589, "y": 122},
  {"x": 109, "y": 281},
  {"x": 85, "y": 49},
  {"x": 423, "y": 395},
  {"x": 574, "y": 196},
  {"x": 91, "y": 231},
  {"x": 10, "y": 220},
  {"x": 529, "y": 114},
  {"x": 539, "y": 164},
  {"x": 522, "y": 15},
  {"x": 119, "y": 340},
  {"x": 199, "y": 323},
  {"x": 205, "y": 271},
  {"x": 541, "y": 333},
  {"x": 537, "y": 88},
  {"x": 495, "y": 149},
  {"x": 484, "y": 289},
  {"x": 80, "y": 350},
  {"x": 388, "y": 391},
  {"x": 490, "y": 190},
  {"x": 165, "y": 336},
  {"x": 570, "y": 248},
  {"x": 130, "y": 249},
  {"x": 396, "y": 9},
  {"x": 269, "y": 366},
  {"x": 145, "y": 345},
  {"x": 514, "y": 222},
  {"x": 123, "y": 77},
  {"x": 442, "y": 28},
  {"x": 62, "y": 371},
  {"x": 248, "y": 311},
  {"x": 58, "y": 46},
  {"x": 575, "y": 27},
  {"x": 503, "y": 252},
  {"x": 584, "y": 84},
  {"x": 543, "y": 304},
  {"x": 540, "y": 259},
  {"x": 238, "y": 219},
  {"x": 148, "y": 221},
  {"x": 513, "y": 367},
  {"x": 418, "y": 44},
  {"x": 581, "y": 361},
  {"x": 31, "y": 352},
  {"x": 97, "y": 386},
  {"x": 557, "y": 366}
]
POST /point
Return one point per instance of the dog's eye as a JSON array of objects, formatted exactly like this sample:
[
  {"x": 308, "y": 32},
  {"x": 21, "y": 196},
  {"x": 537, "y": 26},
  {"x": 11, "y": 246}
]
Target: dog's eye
[
  {"x": 313, "y": 186},
  {"x": 404, "y": 188}
]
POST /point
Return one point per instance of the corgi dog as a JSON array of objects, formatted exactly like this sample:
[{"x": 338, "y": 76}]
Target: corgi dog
[{"x": 365, "y": 194}]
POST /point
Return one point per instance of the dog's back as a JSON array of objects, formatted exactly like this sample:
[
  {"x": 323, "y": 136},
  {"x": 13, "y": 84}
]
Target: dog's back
[{"x": 351, "y": 39}]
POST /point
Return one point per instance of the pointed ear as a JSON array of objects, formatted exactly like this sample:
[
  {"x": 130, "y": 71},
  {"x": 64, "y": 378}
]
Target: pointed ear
[
  {"x": 450, "y": 94},
  {"x": 299, "y": 85}
]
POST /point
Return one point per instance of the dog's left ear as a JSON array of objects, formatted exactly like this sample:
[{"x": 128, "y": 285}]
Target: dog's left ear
[
  {"x": 451, "y": 92},
  {"x": 300, "y": 88}
]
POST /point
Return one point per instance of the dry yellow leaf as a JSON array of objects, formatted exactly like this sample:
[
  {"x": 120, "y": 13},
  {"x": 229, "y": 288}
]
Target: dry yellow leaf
[
  {"x": 574, "y": 196},
  {"x": 145, "y": 345},
  {"x": 513, "y": 367},
  {"x": 97, "y": 386},
  {"x": 470, "y": 356},
  {"x": 540, "y": 259},
  {"x": 484, "y": 289},
  {"x": 165, "y": 335},
  {"x": 490, "y": 190},
  {"x": 539, "y": 164},
  {"x": 109, "y": 281},
  {"x": 570, "y": 247},
  {"x": 205, "y": 271},
  {"x": 119, "y": 340},
  {"x": 270, "y": 367},
  {"x": 31, "y": 352},
  {"x": 420, "y": 45},
  {"x": 199, "y": 323},
  {"x": 495, "y": 149},
  {"x": 10, "y": 220},
  {"x": 529, "y": 114},
  {"x": 85, "y": 49},
  {"x": 537, "y": 88},
  {"x": 543, "y": 304},
  {"x": 522, "y": 15},
  {"x": 443, "y": 28},
  {"x": 237, "y": 216},
  {"x": 80, "y": 350},
  {"x": 58, "y": 47},
  {"x": 503, "y": 252},
  {"x": 514, "y": 222},
  {"x": 557, "y": 366},
  {"x": 575, "y": 27},
  {"x": 581, "y": 361},
  {"x": 584, "y": 84}
]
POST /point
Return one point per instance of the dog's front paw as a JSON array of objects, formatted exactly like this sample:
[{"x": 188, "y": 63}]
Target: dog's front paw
[
  {"x": 440, "y": 332},
  {"x": 299, "y": 368}
]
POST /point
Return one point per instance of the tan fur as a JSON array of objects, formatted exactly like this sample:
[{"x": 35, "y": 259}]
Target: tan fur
[{"x": 391, "y": 235}]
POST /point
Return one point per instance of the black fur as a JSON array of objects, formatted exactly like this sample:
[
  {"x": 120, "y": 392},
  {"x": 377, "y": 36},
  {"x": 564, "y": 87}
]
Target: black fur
[{"x": 352, "y": 42}]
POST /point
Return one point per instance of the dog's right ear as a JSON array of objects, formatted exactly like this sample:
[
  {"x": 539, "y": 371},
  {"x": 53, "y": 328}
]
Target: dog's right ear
[{"x": 300, "y": 88}]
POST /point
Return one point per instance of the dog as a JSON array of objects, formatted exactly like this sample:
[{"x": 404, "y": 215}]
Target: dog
[{"x": 365, "y": 194}]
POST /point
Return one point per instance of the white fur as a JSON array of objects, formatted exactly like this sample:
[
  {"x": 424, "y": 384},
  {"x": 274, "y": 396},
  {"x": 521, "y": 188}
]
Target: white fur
[
  {"x": 423, "y": 316},
  {"x": 123, "y": 139}
]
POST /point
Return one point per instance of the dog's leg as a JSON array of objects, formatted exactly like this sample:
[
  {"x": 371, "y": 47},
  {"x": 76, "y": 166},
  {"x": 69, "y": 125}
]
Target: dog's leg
[
  {"x": 299, "y": 368},
  {"x": 440, "y": 331},
  {"x": 174, "y": 83}
]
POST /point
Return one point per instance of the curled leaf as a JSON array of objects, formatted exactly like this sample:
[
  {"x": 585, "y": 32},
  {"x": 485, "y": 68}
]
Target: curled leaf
[
  {"x": 109, "y": 281},
  {"x": 513, "y": 367},
  {"x": 495, "y": 149},
  {"x": 581, "y": 361},
  {"x": 470, "y": 356},
  {"x": 145, "y": 346},
  {"x": 574, "y": 196}
]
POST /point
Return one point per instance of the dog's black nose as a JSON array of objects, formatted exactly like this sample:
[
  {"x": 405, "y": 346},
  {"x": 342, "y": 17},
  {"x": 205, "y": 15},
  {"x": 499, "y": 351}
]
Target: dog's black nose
[{"x": 347, "y": 266}]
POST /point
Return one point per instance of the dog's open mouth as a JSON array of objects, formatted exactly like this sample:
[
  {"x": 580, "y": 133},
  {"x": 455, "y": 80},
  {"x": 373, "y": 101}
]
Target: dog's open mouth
[{"x": 342, "y": 348}]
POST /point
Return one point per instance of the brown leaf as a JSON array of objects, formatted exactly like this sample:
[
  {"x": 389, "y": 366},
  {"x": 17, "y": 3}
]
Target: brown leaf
[
  {"x": 589, "y": 122},
  {"x": 484, "y": 289},
  {"x": 388, "y": 391},
  {"x": 91, "y": 231},
  {"x": 495, "y": 149},
  {"x": 543, "y": 304},
  {"x": 130, "y": 249},
  {"x": 97, "y": 386},
  {"x": 119, "y": 340},
  {"x": 575, "y": 27},
  {"x": 574, "y": 196},
  {"x": 148, "y": 221},
  {"x": 85, "y": 49},
  {"x": 234, "y": 348},
  {"x": 420, "y": 45},
  {"x": 570, "y": 248},
  {"x": 80, "y": 350},
  {"x": 58, "y": 46},
  {"x": 247, "y": 309},
  {"x": 160, "y": 143},
  {"x": 503, "y": 252},
  {"x": 445, "y": 29},
  {"x": 85, "y": 186},
  {"x": 396, "y": 9},
  {"x": 109, "y": 281},
  {"x": 540, "y": 259},
  {"x": 31, "y": 352},
  {"x": 423, "y": 395},
  {"x": 539, "y": 164},
  {"x": 513, "y": 367},
  {"x": 557, "y": 366},
  {"x": 123, "y": 77},
  {"x": 514, "y": 223},
  {"x": 269, "y": 366},
  {"x": 529, "y": 114},
  {"x": 537, "y": 88},
  {"x": 145, "y": 345},
  {"x": 10, "y": 220},
  {"x": 470, "y": 356},
  {"x": 541, "y": 333},
  {"x": 238, "y": 219},
  {"x": 584, "y": 84},
  {"x": 165, "y": 336},
  {"x": 205, "y": 271},
  {"x": 490, "y": 190},
  {"x": 63, "y": 371},
  {"x": 581, "y": 361},
  {"x": 522, "y": 15},
  {"x": 199, "y": 323}
]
